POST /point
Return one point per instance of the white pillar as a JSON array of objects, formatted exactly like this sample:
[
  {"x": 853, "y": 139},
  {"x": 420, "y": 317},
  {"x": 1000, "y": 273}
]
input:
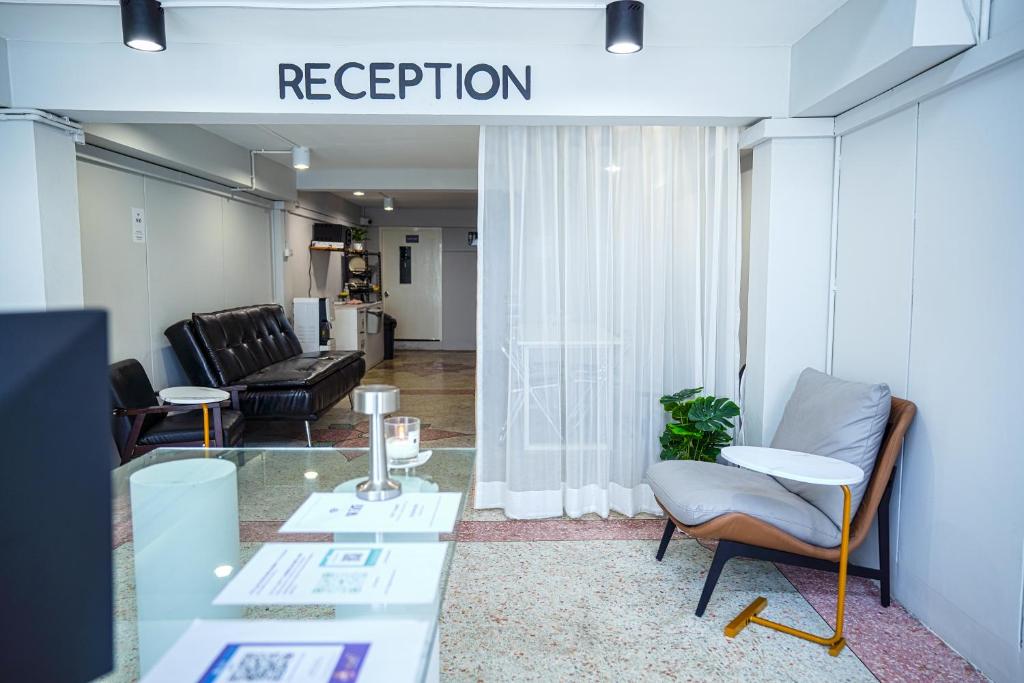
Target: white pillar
[
  {"x": 40, "y": 241},
  {"x": 790, "y": 255}
]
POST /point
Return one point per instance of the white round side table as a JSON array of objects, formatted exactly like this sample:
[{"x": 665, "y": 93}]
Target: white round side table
[
  {"x": 811, "y": 469},
  {"x": 190, "y": 396}
]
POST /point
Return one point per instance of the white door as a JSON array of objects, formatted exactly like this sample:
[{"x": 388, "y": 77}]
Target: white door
[{"x": 411, "y": 259}]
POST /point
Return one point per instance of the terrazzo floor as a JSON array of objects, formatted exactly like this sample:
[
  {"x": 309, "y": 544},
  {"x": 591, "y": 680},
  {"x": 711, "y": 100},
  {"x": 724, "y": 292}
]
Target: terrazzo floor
[
  {"x": 437, "y": 387},
  {"x": 585, "y": 600}
]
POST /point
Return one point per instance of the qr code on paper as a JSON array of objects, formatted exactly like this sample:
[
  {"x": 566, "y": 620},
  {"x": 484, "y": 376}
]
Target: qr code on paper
[
  {"x": 340, "y": 582},
  {"x": 266, "y": 666}
]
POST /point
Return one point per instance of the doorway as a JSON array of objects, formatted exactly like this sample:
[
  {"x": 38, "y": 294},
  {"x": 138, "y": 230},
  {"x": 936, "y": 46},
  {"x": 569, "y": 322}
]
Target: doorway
[{"x": 412, "y": 281}]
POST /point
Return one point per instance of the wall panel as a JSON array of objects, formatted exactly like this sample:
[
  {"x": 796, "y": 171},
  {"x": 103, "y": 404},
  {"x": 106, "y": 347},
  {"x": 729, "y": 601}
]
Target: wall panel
[
  {"x": 246, "y": 248},
  {"x": 114, "y": 270},
  {"x": 962, "y": 528},
  {"x": 203, "y": 252},
  {"x": 930, "y": 299},
  {"x": 874, "y": 267}
]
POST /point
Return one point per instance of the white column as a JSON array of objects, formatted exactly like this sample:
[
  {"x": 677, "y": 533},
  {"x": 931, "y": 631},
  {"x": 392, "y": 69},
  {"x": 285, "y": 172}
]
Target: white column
[
  {"x": 790, "y": 255},
  {"x": 40, "y": 241}
]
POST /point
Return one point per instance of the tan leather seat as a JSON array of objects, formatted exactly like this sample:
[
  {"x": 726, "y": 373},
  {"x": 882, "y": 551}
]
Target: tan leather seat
[{"x": 742, "y": 535}]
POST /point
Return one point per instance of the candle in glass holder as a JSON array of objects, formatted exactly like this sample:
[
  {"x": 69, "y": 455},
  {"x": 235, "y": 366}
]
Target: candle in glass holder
[{"x": 402, "y": 435}]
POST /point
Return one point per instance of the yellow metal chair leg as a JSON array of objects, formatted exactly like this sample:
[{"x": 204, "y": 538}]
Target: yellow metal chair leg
[
  {"x": 744, "y": 617},
  {"x": 206, "y": 426},
  {"x": 835, "y": 643}
]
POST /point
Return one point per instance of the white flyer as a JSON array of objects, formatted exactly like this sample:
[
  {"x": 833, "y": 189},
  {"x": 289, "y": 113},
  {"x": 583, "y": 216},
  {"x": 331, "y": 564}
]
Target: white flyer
[
  {"x": 410, "y": 513},
  {"x": 325, "y": 651},
  {"x": 338, "y": 574}
]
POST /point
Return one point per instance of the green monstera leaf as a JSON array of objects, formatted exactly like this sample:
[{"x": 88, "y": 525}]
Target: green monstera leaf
[
  {"x": 673, "y": 401},
  {"x": 700, "y": 425}
]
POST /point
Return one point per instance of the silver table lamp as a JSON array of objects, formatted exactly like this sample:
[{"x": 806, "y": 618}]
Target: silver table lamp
[{"x": 377, "y": 400}]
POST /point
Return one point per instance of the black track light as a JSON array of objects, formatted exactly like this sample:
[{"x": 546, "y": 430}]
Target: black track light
[
  {"x": 142, "y": 25},
  {"x": 624, "y": 27}
]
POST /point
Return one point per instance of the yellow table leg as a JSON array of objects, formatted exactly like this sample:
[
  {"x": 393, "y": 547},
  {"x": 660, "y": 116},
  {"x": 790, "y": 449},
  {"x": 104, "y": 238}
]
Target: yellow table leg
[
  {"x": 206, "y": 426},
  {"x": 836, "y": 642}
]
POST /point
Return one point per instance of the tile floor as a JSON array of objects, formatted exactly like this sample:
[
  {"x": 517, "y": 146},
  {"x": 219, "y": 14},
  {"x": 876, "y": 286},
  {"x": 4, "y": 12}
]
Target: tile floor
[
  {"x": 437, "y": 387},
  {"x": 564, "y": 599}
]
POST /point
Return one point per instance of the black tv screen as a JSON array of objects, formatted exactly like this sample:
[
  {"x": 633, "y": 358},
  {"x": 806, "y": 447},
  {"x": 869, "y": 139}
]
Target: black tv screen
[{"x": 56, "y": 605}]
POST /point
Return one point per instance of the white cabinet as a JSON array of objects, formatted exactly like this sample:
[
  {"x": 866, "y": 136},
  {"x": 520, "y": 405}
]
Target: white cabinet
[{"x": 360, "y": 328}]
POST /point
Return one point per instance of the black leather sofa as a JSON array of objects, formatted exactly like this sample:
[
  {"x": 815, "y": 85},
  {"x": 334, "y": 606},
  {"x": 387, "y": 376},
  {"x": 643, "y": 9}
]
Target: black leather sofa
[{"x": 253, "y": 352}]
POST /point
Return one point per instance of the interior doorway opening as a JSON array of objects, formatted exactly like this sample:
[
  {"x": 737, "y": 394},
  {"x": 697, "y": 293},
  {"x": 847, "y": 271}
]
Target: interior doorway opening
[{"x": 375, "y": 254}]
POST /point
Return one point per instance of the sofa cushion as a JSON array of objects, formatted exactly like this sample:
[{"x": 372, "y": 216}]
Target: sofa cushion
[
  {"x": 696, "y": 492},
  {"x": 300, "y": 371},
  {"x": 188, "y": 426},
  {"x": 241, "y": 341},
  {"x": 302, "y": 402},
  {"x": 839, "y": 419}
]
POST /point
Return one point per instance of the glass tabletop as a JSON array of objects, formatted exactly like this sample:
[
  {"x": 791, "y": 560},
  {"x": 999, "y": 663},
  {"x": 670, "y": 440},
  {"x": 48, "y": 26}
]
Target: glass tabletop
[{"x": 194, "y": 539}]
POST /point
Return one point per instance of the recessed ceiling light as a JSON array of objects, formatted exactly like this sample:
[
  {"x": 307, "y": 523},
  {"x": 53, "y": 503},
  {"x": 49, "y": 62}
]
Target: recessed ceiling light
[
  {"x": 223, "y": 570},
  {"x": 311, "y": 474},
  {"x": 624, "y": 27},
  {"x": 612, "y": 168},
  {"x": 358, "y": 193},
  {"x": 142, "y": 25}
]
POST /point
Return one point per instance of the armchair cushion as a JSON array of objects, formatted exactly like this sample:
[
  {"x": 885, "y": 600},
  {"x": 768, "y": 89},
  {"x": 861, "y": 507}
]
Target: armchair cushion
[
  {"x": 839, "y": 419},
  {"x": 185, "y": 427},
  {"x": 695, "y": 492}
]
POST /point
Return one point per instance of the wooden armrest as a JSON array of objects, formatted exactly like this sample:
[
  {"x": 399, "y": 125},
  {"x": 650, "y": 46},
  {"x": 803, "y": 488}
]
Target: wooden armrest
[
  {"x": 149, "y": 410},
  {"x": 165, "y": 408},
  {"x": 233, "y": 389}
]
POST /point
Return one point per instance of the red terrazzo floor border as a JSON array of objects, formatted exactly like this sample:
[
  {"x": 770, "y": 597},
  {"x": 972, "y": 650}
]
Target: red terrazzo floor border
[
  {"x": 561, "y": 530},
  {"x": 893, "y": 645}
]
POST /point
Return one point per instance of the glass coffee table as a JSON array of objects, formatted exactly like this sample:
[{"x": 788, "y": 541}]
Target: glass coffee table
[{"x": 190, "y": 550}]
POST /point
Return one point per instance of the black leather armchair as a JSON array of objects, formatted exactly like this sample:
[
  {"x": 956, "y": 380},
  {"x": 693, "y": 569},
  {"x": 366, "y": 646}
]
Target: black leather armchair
[
  {"x": 254, "y": 350},
  {"x": 140, "y": 424}
]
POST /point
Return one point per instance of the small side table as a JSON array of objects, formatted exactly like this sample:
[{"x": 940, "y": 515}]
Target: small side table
[
  {"x": 190, "y": 396},
  {"x": 811, "y": 469}
]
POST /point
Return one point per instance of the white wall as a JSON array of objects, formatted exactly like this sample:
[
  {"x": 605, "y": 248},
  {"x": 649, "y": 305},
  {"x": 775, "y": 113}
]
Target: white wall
[
  {"x": 1004, "y": 15},
  {"x": 788, "y": 302},
  {"x": 39, "y": 232},
  {"x": 930, "y": 300},
  {"x": 746, "y": 185},
  {"x": 324, "y": 278},
  {"x": 203, "y": 252},
  {"x": 5, "y": 76}
]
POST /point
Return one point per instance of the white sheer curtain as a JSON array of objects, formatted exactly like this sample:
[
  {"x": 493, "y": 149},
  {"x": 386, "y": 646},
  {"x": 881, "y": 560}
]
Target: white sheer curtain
[{"x": 610, "y": 276}]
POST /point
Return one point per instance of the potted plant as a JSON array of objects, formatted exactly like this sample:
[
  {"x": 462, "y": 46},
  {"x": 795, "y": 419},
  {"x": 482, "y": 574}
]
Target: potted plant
[
  {"x": 358, "y": 237},
  {"x": 700, "y": 425}
]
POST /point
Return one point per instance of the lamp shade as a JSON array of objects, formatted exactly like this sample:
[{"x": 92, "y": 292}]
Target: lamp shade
[
  {"x": 624, "y": 27},
  {"x": 300, "y": 158},
  {"x": 142, "y": 25}
]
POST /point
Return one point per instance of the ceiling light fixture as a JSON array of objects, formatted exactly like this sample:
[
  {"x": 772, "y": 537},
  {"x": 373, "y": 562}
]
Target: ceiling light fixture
[
  {"x": 300, "y": 158},
  {"x": 624, "y": 27},
  {"x": 142, "y": 25},
  {"x": 389, "y": 203},
  {"x": 612, "y": 168},
  {"x": 358, "y": 193}
]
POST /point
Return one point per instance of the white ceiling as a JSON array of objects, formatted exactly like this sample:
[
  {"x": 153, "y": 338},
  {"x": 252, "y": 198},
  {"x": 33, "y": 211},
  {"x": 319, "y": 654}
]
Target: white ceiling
[
  {"x": 413, "y": 199},
  {"x": 362, "y": 147},
  {"x": 667, "y": 22}
]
